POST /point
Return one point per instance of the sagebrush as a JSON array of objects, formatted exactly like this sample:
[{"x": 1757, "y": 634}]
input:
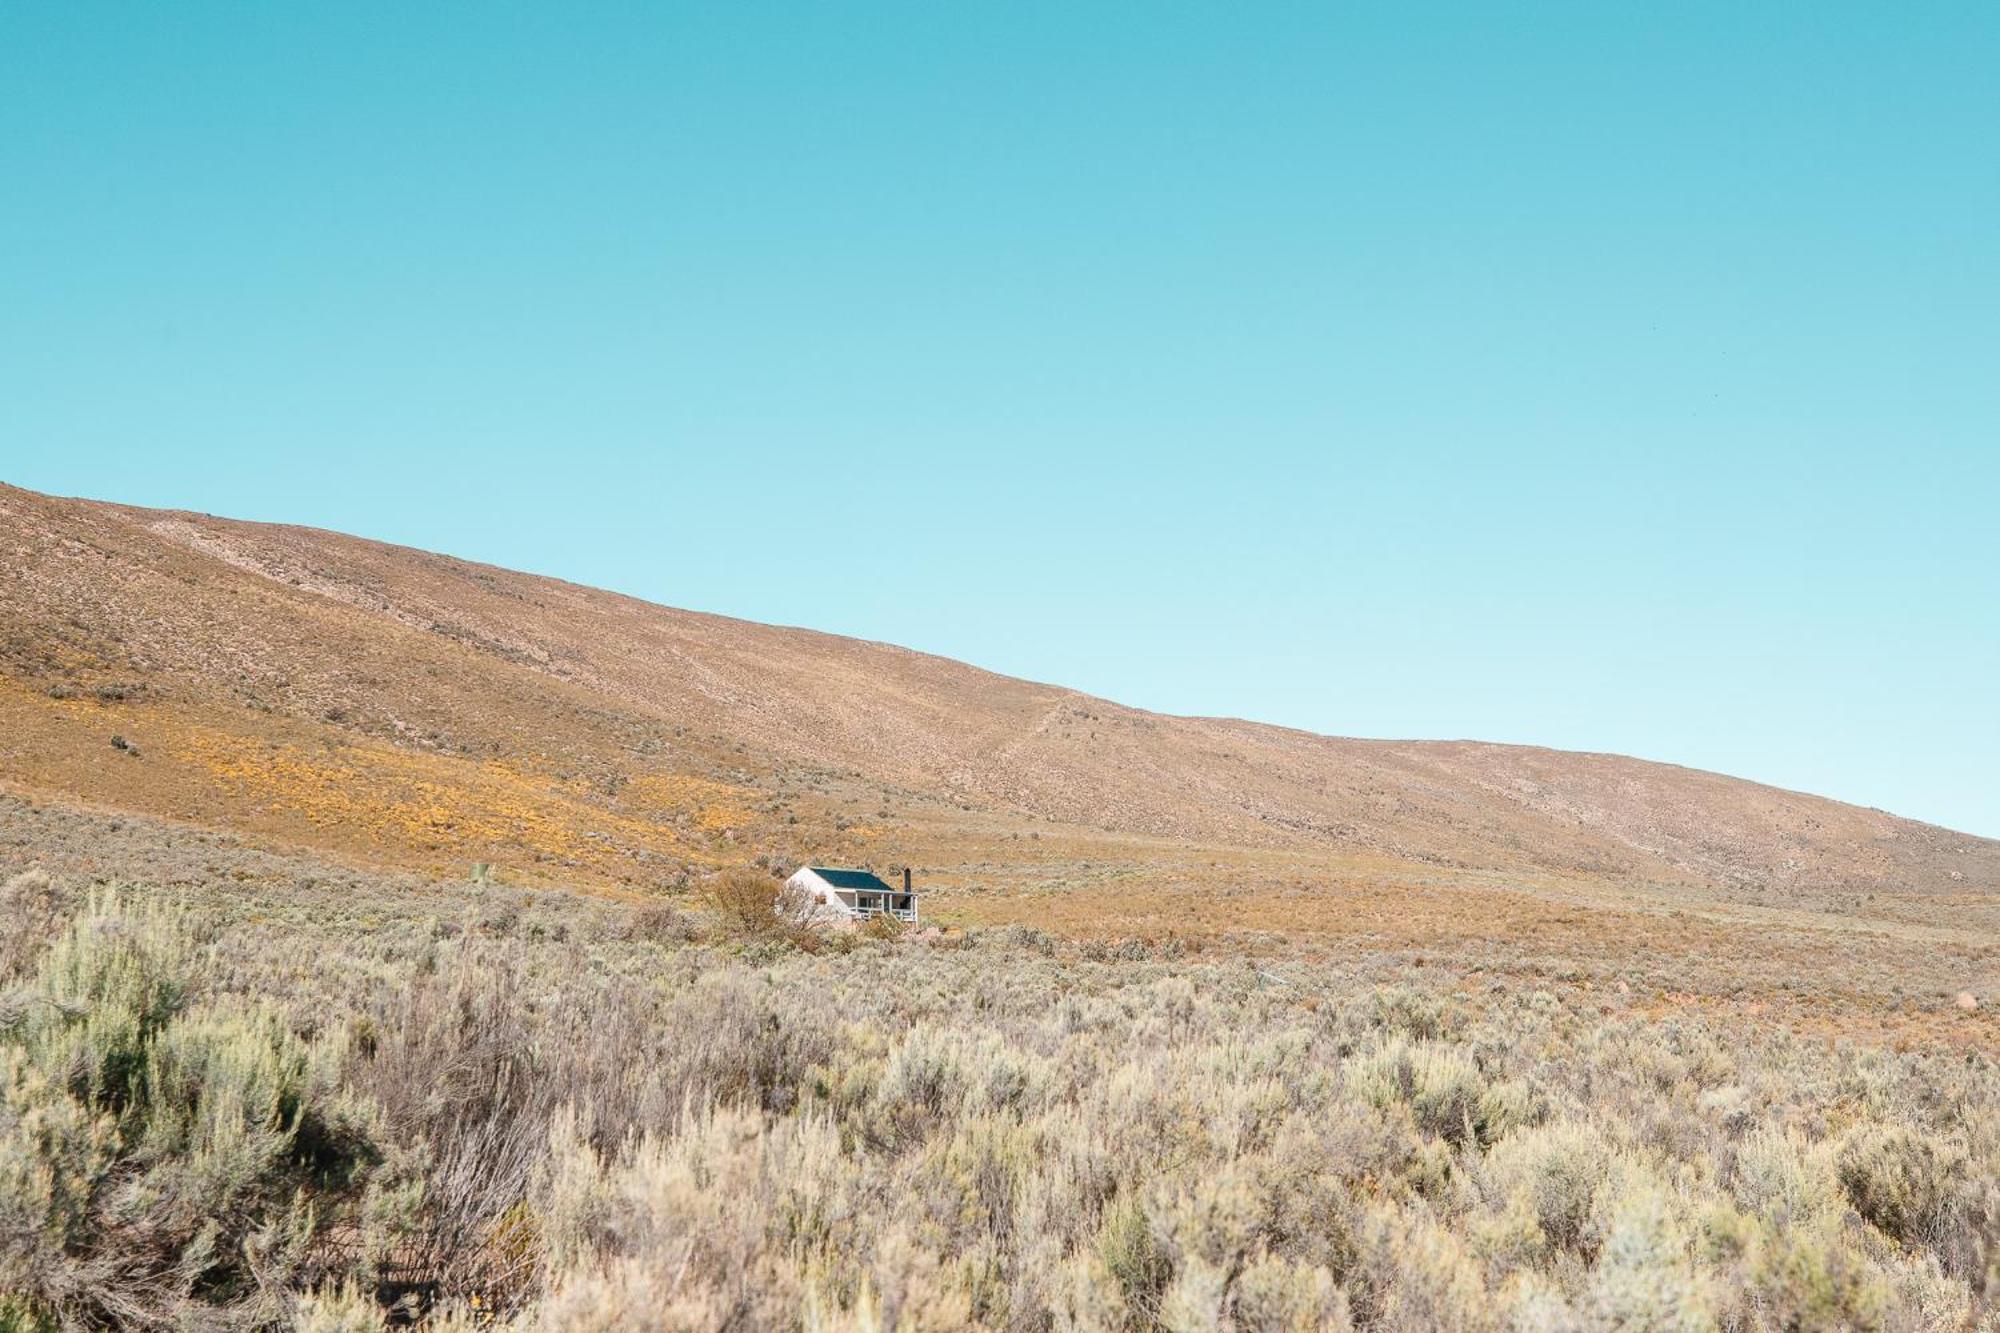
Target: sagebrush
[{"x": 226, "y": 1113}]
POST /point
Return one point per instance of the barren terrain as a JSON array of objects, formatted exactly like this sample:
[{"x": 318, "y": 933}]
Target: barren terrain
[{"x": 416, "y": 710}]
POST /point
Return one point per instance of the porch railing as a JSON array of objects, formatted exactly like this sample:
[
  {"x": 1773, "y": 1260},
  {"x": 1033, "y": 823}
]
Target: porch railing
[{"x": 908, "y": 914}]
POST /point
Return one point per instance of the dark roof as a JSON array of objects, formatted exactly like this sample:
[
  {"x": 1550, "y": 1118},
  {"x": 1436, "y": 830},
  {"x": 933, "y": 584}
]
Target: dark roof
[{"x": 852, "y": 879}]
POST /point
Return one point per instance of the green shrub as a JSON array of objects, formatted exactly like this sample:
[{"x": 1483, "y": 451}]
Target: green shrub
[
  {"x": 1546, "y": 1181},
  {"x": 1898, "y": 1181},
  {"x": 1442, "y": 1086},
  {"x": 1135, "y": 1259},
  {"x": 1816, "y": 1278},
  {"x": 19, "y": 1315},
  {"x": 157, "y": 1153}
]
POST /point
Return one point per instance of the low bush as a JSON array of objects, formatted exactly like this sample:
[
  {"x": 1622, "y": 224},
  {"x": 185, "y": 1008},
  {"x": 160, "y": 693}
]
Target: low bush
[
  {"x": 1443, "y": 1089},
  {"x": 1899, "y": 1181},
  {"x": 160, "y": 1150},
  {"x": 883, "y": 927},
  {"x": 662, "y": 923},
  {"x": 750, "y": 905},
  {"x": 30, "y": 909}
]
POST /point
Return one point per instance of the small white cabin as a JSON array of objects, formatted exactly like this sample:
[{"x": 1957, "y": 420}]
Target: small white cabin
[{"x": 856, "y": 895}]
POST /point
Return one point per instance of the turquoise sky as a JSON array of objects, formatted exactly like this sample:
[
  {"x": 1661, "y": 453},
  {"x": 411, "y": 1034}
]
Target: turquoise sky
[{"x": 1606, "y": 376}]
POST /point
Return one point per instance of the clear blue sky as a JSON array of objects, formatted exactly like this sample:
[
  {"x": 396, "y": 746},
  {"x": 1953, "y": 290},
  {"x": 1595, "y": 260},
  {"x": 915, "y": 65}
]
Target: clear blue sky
[{"x": 1606, "y": 376}]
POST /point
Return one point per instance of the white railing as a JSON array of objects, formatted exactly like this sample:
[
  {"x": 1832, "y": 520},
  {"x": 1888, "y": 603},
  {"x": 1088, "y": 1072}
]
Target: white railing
[{"x": 908, "y": 914}]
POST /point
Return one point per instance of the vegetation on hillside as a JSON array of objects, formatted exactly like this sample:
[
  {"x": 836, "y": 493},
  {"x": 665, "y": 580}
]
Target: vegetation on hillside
[
  {"x": 552, "y": 1113},
  {"x": 384, "y": 703}
]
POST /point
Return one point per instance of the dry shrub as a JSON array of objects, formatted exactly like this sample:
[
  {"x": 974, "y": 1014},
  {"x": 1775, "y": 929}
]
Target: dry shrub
[
  {"x": 1546, "y": 1181},
  {"x": 465, "y": 1088},
  {"x": 883, "y": 927},
  {"x": 473, "y": 1066},
  {"x": 677, "y": 1231},
  {"x": 30, "y": 908},
  {"x": 1272, "y": 1296},
  {"x": 1417, "y": 1273},
  {"x": 1026, "y": 939},
  {"x": 1785, "y": 1178},
  {"x": 1416, "y": 1014},
  {"x": 750, "y": 905},
  {"x": 746, "y": 902},
  {"x": 1444, "y": 1090},
  {"x": 662, "y": 923}
]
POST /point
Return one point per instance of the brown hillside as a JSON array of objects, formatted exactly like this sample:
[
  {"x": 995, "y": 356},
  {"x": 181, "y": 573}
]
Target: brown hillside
[{"x": 409, "y": 708}]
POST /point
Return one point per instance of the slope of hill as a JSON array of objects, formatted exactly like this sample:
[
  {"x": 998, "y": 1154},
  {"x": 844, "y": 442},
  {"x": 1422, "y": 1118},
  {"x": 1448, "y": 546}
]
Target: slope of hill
[{"x": 414, "y": 709}]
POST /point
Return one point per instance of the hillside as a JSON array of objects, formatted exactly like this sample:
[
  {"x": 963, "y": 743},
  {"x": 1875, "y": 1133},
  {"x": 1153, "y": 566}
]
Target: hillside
[{"x": 411, "y": 709}]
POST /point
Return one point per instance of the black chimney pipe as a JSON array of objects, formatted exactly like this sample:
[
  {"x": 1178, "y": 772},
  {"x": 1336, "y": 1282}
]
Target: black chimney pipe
[{"x": 906, "y": 879}]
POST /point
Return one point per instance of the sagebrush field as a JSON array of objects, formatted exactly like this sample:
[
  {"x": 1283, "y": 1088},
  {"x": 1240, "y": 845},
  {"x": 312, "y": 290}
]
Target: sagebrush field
[{"x": 260, "y": 1092}]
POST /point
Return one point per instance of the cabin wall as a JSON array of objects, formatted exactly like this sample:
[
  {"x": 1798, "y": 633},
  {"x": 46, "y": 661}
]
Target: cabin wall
[{"x": 822, "y": 893}]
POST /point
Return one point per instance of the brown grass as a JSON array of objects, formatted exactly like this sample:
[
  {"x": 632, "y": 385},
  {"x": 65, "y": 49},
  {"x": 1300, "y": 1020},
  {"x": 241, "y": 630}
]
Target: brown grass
[{"x": 416, "y": 710}]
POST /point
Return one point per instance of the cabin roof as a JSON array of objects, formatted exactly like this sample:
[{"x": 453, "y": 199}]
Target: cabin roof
[{"x": 852, "y": 879}]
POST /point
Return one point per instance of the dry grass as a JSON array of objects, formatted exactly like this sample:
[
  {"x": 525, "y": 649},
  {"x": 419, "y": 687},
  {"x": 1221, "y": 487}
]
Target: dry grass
[{"x": 412, "y": 709}]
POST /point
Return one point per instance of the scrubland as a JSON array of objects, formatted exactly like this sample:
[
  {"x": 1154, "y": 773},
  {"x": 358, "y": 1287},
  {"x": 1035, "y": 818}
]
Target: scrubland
[
  {"x": 338, "y": 1102},
  {"x": 388, "y": 983}
]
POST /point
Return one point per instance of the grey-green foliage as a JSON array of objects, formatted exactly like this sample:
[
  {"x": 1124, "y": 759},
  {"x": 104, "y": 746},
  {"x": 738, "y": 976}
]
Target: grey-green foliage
[
  {"x": 608, "y": 1127},
  {"x": 157, "y": 1148}
]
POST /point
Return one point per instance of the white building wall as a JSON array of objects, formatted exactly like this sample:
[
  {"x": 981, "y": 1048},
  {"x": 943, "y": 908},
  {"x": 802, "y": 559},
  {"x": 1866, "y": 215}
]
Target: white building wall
[{"x": 822, "y": 892}]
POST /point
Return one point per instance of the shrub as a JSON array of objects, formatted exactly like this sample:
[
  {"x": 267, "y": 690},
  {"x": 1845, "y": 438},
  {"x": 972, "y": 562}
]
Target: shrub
[
  {"x": 466, "y": 1091},
  {"x": 1784, "y": 1178},
  {"x": 1817, "y": 1278},
  {"x": 1135, "y": 1259},
  {"x": 156, "y": 1152},
  {"x": 883, "y": 927},
  {"x": 1273, "y": 1296},
  {"x": 746, "y": 901},
  {"x": 1645, "y": 1277},
  {"x": 29, "y": 910},
  {"x": 1444, "y": 1090},
  {"x": 662, "y": 923},
  {"x": 331, "y": 1103},
  {"x": 1898, "y": 1181},
  {"x": 678, "y": 1231},
  {"x": 344, "y": 1309},
  {"x": 1405, "y": 1011},
  {"x": 1417, "y": 1274},
  {"x": 751, "y": 905},
  {"x": 1546, "y": 1180}
]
